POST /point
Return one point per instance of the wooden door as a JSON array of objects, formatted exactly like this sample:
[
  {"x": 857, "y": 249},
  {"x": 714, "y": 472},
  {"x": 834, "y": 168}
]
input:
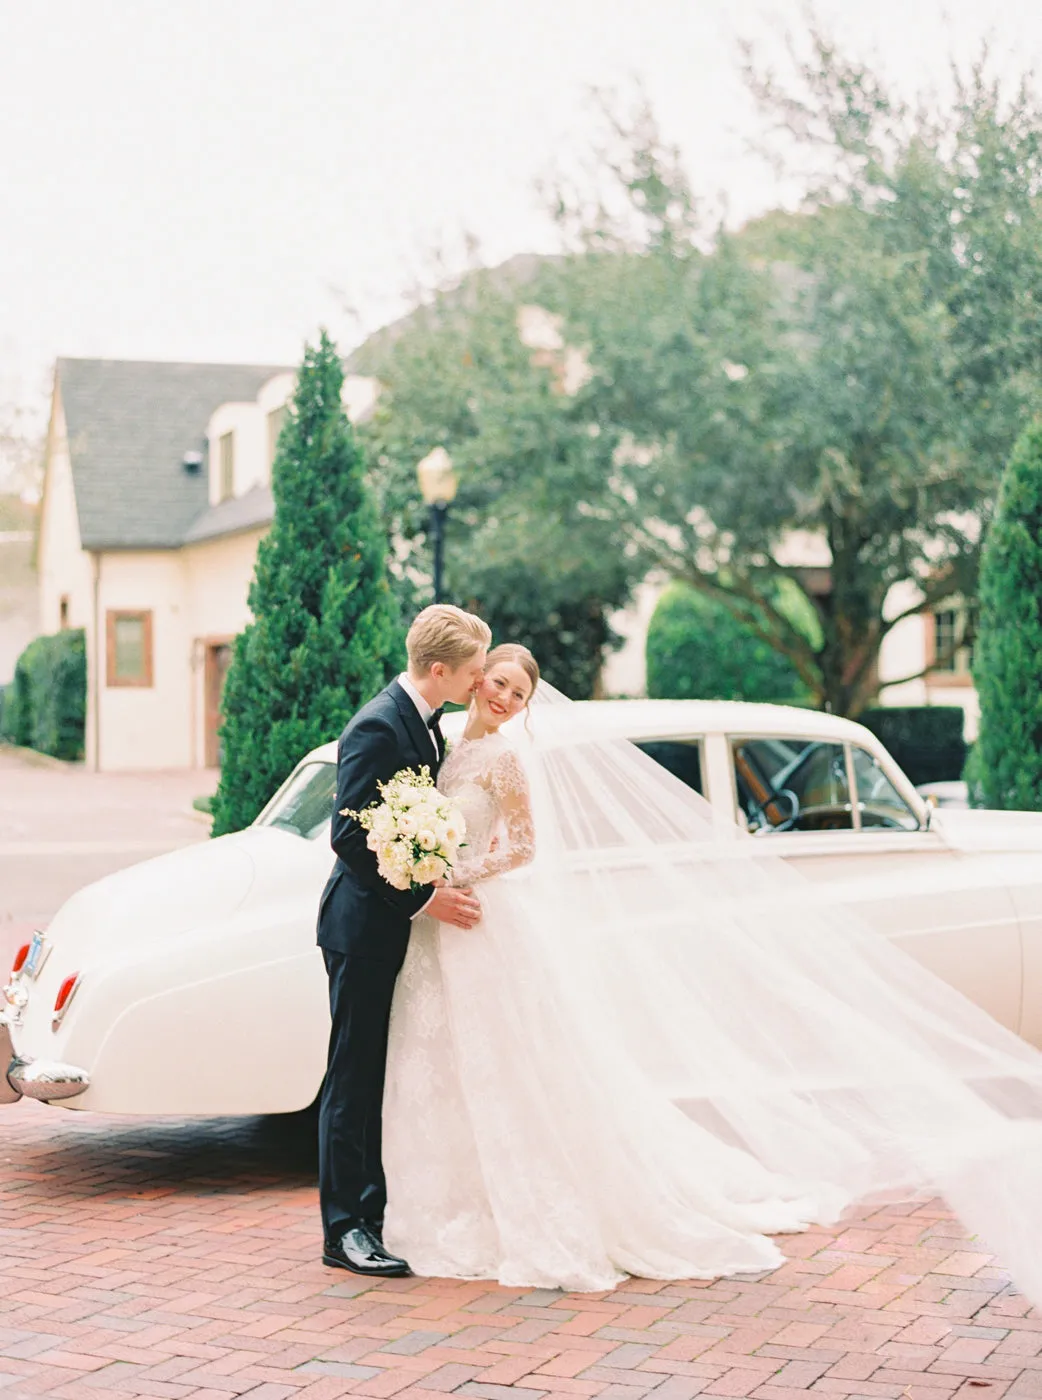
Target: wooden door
[{"x": 218, "y": 659}]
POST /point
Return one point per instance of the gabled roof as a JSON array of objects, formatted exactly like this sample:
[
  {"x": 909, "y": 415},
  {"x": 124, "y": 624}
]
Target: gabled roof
[{"x": 130, "y": 423}]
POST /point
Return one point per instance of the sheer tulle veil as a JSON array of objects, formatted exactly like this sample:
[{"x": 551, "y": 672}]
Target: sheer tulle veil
[{"x": 774, "y": 1016}]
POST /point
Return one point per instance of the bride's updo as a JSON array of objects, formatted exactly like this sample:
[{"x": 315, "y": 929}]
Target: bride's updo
[{"x": 517, "y": 655}]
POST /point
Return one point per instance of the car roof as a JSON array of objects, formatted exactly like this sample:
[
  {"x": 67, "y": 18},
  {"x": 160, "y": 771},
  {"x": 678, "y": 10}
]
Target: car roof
[{"x": 654, "y": 719}]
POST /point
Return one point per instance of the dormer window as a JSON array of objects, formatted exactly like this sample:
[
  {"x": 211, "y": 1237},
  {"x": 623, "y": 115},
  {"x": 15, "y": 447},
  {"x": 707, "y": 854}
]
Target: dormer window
[
  {"x": 276, "y": 418},
  {"x": 226, "y": 466}
]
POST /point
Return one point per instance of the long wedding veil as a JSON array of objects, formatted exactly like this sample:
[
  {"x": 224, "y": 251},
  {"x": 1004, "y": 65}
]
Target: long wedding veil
[{"x": 774, "y": 1015}]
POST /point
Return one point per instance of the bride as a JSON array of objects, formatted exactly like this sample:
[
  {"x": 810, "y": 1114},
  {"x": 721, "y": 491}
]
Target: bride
[{"x": 660, "y": 1046}]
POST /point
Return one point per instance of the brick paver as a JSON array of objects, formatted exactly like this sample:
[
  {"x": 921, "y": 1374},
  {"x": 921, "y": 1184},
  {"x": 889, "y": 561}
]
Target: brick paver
[{"x": 178, "y": 1261}]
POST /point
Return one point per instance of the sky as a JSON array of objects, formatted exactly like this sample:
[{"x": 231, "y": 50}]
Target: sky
[{"x": 215, "y": 179}]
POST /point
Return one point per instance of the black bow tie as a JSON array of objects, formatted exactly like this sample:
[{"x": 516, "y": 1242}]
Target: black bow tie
[{"x": 432, "y": 723}]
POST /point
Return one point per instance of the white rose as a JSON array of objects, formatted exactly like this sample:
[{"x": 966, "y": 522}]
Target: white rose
[
  {"x": 427, "y": 839},
  {"x": 428, "y": 870},
  {"x": 407, "y": 824}
]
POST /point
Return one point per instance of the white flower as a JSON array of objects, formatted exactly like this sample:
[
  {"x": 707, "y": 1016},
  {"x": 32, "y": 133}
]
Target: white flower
[
  {"x": 427, "y": 870},
  {"x": 427, "y": 839},
  {"x": 407, "y": 824}
]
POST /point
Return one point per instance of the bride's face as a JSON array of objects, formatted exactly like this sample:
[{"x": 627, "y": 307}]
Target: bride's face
[{"x": 503, "y": 693}]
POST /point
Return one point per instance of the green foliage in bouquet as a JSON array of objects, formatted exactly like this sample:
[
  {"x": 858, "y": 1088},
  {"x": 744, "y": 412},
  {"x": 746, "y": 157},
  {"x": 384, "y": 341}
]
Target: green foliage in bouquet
[
  {"x": 327, "y": 632},
  {"x": 1008, "y": 661}
]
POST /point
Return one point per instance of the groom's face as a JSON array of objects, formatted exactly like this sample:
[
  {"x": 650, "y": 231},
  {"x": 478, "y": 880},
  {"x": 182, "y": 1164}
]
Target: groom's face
[{"x": 459, "y": 685}]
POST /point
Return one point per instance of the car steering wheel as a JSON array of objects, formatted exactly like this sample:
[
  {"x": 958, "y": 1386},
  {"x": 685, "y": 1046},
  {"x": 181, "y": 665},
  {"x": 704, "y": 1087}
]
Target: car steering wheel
[{"x": 759, "y": 812}]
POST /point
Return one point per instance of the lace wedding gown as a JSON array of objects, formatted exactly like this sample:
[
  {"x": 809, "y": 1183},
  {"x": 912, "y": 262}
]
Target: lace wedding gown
[{"x": 523, "y": 1140}]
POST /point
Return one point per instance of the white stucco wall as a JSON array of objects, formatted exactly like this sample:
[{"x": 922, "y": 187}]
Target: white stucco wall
[
  {"x": 146, "y": 727},
  {"x": 63, "y": 567},
  {"x": 217, "y": 578},
  {"x": 196, "y": 596}
]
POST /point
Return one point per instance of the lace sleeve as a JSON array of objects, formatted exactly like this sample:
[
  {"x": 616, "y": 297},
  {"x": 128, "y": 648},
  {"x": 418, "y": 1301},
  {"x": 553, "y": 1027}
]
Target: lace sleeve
[{"x": 516, "y": 846}]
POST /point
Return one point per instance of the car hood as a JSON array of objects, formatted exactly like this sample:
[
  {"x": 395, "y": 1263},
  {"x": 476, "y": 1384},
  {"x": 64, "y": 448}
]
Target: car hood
[{"x": 988, "y": 831}]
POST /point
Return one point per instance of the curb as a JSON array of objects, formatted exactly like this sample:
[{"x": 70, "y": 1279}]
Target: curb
[{"x": 40, "y": 760}]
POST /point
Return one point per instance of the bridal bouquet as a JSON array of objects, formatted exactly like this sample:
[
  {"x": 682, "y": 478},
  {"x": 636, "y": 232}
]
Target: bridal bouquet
[{"x": 414, "y": 830}]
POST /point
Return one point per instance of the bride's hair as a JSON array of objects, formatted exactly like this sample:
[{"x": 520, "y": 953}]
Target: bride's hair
[{"x": 517, "y": 655}]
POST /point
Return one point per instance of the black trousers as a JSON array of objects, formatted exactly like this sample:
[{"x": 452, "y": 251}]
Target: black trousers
[{"x": 351, "y": 1182}]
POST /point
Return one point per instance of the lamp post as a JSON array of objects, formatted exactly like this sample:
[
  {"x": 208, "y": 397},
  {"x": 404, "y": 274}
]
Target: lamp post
[{"x": 438, "y": 488}]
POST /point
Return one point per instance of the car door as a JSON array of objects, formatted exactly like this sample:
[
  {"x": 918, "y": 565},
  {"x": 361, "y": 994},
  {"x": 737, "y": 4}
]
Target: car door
[{"x": 835, "y": 811}]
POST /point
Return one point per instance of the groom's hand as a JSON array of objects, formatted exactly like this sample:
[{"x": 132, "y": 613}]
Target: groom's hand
[{"x": 458, "y": 907}]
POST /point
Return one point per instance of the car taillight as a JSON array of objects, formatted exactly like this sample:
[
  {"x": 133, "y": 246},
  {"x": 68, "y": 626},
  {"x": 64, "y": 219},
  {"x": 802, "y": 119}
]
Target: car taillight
[
  {"x": 66, "y": 992},
  {"x": 19, "y": 959}
]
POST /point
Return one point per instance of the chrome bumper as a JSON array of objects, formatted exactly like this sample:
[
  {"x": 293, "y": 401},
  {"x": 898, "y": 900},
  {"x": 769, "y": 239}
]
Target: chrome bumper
[{"x": 46, "y": 1080}]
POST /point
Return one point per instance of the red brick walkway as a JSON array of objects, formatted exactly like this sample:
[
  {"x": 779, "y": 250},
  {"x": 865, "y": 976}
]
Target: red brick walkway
[{"x": 172, "y": 1260}]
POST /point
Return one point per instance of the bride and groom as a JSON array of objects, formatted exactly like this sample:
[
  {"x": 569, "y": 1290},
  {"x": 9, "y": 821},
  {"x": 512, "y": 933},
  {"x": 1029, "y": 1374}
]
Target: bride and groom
[{"x": 644, "y": 1050}]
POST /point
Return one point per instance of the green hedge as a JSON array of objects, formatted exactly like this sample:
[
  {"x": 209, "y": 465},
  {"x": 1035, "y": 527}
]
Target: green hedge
[
  {"x": 45, "y": 706},
  {"x": 926, "y": 740},
  {"x": 697, "y": 650}
]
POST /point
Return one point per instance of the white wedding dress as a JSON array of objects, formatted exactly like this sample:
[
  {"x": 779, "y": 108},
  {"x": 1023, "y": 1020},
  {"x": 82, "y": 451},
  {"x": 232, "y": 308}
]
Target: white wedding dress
[{"x": 657, "y": 1050}]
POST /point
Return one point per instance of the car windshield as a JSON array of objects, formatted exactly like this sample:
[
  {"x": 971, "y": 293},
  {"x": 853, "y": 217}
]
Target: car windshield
[
  {"x": 791, "y": 784},
  {"x": 305, "y": 803}
]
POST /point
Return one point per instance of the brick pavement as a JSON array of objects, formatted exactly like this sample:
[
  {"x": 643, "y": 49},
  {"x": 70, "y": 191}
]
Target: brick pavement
[{"x": 178, "y": 1259}]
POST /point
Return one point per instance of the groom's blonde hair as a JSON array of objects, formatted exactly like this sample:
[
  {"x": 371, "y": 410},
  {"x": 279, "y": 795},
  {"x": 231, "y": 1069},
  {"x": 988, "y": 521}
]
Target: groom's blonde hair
[{"x": 446, "y": 634}]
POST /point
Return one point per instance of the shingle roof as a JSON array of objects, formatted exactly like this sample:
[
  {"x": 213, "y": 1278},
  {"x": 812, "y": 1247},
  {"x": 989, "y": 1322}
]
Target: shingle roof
[
  {"x": 254, "y": 507},
  {"x": 130, "y": 423}
]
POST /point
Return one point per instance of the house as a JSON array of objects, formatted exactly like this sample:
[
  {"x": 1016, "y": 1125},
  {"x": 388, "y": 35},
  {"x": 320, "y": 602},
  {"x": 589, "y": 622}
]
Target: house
[
  {"x": 921, "y": 661},
  {"x": 156, "y": 494}
]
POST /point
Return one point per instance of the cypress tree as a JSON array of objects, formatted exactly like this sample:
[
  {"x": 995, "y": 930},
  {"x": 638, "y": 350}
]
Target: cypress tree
[
  {"x": 1008, "y": 663},
  {"x": 326, "y": 633}
]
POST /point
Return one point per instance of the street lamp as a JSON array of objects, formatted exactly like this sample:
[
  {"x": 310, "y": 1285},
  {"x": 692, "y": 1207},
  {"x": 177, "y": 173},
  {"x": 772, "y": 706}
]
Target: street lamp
[{"x": 438, "y": 488}]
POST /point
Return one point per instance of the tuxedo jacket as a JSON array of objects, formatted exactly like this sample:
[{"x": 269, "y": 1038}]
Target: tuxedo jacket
[{"x": 360, "y": 914}]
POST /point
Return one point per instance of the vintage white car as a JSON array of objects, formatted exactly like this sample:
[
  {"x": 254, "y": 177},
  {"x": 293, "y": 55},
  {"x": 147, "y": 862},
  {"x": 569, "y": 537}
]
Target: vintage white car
[{"x": 191, "y": 984}]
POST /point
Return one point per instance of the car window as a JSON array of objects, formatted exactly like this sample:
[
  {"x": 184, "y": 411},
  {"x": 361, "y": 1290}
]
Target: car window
[
  {"x": 882, "y": 807},
  {"x": 789, "y": 784},
  {"x": 305, "y": 803},
  {"x": 681, "y": 757}
]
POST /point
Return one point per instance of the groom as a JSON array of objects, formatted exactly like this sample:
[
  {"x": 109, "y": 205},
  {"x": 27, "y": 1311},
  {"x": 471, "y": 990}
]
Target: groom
[{"x": 363, "y": 928}]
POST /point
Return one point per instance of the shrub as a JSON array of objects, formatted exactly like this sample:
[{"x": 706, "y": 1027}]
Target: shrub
[
  {"x": 971, "y": 776},
  {"x": 45, "y": 706},
  {"x": 926, "y": 740},
  {"x": 1008, "y": 656},
  {"x": 697, "y": 649},
  {"x": 326, "y": 633}
]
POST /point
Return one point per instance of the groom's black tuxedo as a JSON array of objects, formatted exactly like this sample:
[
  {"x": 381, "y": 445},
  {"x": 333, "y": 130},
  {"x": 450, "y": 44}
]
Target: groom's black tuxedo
[{"x": 363, "y": 931}]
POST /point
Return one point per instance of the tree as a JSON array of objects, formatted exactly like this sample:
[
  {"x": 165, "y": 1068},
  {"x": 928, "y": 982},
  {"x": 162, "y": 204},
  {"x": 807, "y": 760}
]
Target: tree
[
  {"x": 697, "y": 649},
  {"x": 326, "y": 633},
  {"x": 479, "y": 370},
  {"x": 849, "y": 377},
  {"x": 1008, "y": 662}
]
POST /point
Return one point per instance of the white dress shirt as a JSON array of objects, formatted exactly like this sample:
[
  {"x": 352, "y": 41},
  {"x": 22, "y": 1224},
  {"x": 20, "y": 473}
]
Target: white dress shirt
[{"x": 425, "y": 711}]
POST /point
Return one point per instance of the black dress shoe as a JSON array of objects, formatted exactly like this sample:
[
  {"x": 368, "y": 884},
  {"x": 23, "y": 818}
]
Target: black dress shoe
[{"x": 362, "y": 1252}]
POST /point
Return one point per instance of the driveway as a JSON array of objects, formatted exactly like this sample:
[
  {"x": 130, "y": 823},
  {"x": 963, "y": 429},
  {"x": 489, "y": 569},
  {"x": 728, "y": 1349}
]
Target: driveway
[
  {"x": 62, "y": 827},
  {"x": 180, "y": 1260}
]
